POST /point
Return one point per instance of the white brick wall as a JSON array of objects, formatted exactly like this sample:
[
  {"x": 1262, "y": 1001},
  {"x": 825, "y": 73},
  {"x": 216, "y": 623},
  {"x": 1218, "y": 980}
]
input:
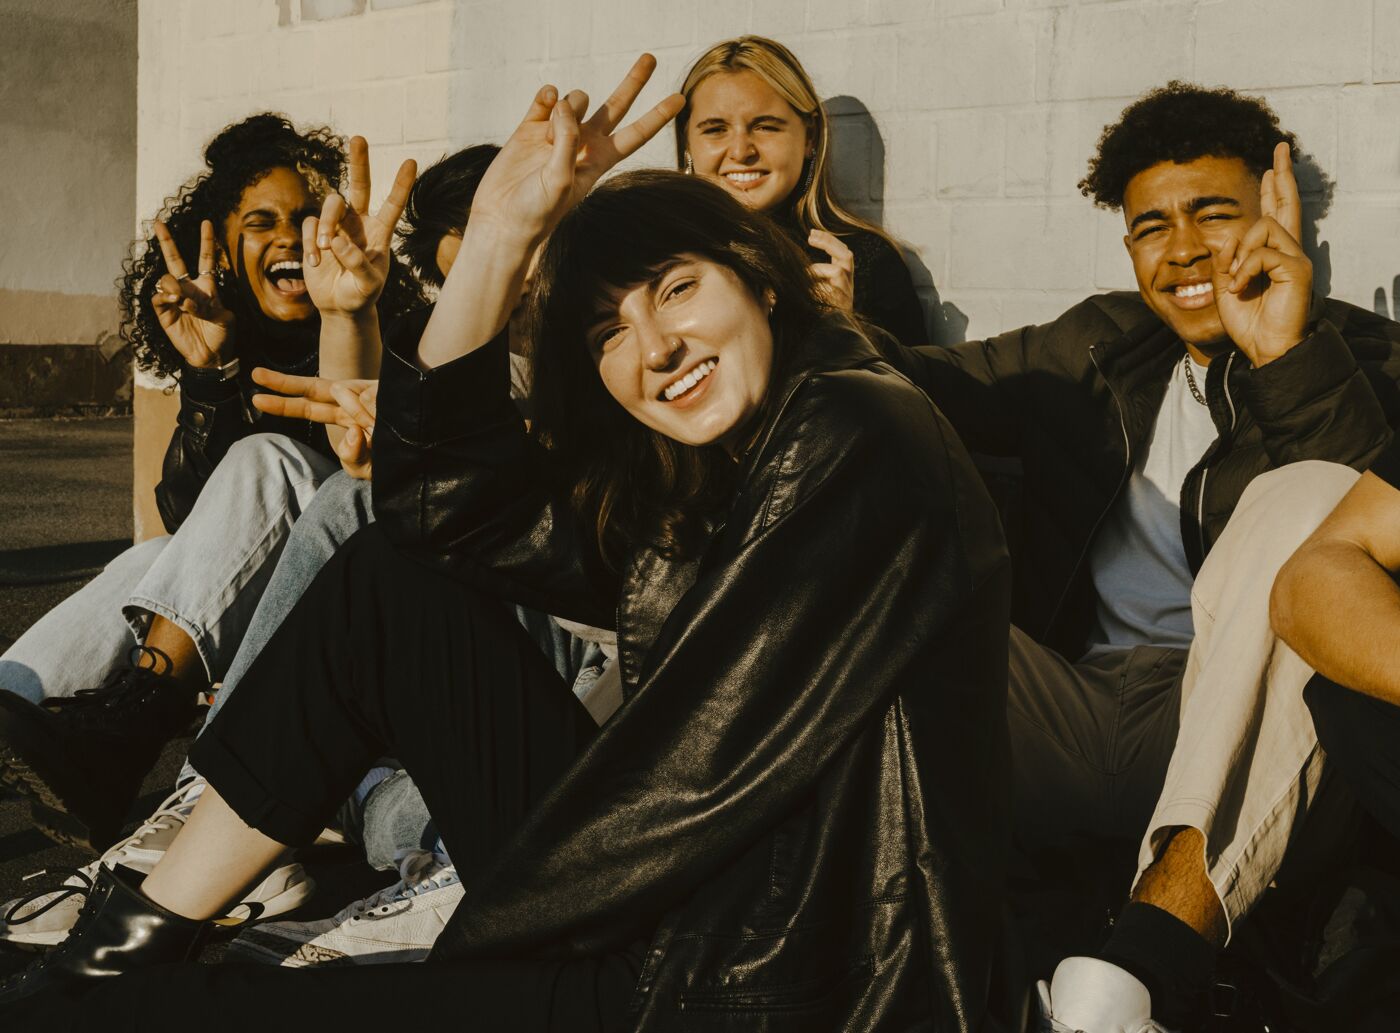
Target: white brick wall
[{"x": 985, "y": 111}]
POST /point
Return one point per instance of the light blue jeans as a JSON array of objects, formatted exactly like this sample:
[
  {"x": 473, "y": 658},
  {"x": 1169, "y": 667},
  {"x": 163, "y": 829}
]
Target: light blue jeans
[{"x": 206, "y": 578}]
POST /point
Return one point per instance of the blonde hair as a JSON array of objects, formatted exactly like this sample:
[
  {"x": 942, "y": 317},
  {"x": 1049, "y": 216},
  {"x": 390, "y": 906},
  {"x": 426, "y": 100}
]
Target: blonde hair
[{"x": 816, "y": 207}]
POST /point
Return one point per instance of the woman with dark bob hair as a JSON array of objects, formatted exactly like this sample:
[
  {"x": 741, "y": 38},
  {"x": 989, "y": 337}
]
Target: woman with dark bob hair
[{"x": 797, "y": 818}]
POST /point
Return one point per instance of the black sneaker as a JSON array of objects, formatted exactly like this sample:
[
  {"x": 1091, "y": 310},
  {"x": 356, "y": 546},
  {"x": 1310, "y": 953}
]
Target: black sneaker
[{"x": 81, "y": 759}]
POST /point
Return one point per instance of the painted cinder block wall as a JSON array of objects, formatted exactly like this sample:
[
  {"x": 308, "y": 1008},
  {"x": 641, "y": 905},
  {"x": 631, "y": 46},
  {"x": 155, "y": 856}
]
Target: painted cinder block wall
[{"x": 963, "y": 124}]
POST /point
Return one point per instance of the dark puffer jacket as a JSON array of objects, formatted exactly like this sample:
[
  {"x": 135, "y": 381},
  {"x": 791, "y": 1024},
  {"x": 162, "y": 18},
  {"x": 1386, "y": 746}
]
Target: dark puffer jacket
[
  {"x": 1075, "y": 400},
  {"x": 803, "y": 802}
]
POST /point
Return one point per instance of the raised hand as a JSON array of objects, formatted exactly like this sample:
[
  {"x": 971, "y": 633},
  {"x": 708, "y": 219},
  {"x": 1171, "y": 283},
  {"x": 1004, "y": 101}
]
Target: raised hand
[
  {"x": 188, "y": 307},
  {"x": 346, "y": 251},
  {"x": 837, "y": 277},
  {"x": 553, "y": 159},
  {"x": 1263, "y": 282},
  {"x": 339, "y": 403}
]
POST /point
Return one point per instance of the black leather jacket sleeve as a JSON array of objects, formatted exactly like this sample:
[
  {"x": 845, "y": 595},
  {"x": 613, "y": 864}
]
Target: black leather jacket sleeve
[
  {"x": 844, "y": 557},
  {"x": 211, "y": 419},
  {"x": 459, "y": 484},
  {"x": 981, "y": 386},
  {"x": 1315, "y": 403}
]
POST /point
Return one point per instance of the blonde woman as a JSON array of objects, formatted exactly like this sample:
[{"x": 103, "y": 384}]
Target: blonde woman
[{"x": 753, "y": 123}]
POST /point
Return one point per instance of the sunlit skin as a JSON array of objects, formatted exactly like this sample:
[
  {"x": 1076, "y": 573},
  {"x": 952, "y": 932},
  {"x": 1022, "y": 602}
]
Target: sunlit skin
[
  {"x": 1179, "y": 216},
  {"x": 268, "y": 223},
  {"x": 692, "y": 314},
  {"x": 744, "y": 136}
]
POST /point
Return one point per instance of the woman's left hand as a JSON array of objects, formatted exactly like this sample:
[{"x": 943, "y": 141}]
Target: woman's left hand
[
  {"x": 837, "y": 277},
  {"x": 346, "y": 251},
  {"x": 342, "y": 403},
  {"x": 553, "y": 159}
]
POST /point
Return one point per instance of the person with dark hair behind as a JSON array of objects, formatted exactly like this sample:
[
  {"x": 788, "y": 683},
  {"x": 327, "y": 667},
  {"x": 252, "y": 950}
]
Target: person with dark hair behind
[
  {"x": 80, "y": 723},
  {"x": 438, "y": 208},
  {"x": 1149, "y": 701}
]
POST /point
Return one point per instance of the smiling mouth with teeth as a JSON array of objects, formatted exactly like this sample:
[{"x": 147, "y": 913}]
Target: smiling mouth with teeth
[
  {"x": 286, "y": 276},
  {"x": 676, "y": 388},
  {"x": 1192, "y": 290},
  {"x": 743, "y": 178}
]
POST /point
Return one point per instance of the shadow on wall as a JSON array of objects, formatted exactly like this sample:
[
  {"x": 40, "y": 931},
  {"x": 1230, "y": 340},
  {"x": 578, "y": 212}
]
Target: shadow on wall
[
  {"x": 1316, "y": 189},
  {"x": 858, "y": 175}
]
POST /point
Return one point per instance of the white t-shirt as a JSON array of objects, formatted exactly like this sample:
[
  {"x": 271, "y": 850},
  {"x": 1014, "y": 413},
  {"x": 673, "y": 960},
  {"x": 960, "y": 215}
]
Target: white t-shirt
[{"x": 1138, "y": 562}]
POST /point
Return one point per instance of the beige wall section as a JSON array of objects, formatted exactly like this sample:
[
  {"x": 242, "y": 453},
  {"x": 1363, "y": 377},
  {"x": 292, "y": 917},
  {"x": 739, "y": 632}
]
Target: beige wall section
[
  {"x": 67, "y": 167},
  {"x": 52, "y": 317},
  {"x": 154, "y": 410}
]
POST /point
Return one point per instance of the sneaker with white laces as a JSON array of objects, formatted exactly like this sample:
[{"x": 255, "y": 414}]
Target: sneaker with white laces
[
  {"x": 43, "y": 918},
  {"x": 399, "y": 923},
  {"x": 1088, "y": 995}
]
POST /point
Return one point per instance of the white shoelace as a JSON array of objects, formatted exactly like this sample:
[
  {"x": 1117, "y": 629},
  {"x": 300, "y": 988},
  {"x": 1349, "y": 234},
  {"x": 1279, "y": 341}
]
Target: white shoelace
[
  {"x": 174, "y": 811},
  {"x": 420, "y": 871}
]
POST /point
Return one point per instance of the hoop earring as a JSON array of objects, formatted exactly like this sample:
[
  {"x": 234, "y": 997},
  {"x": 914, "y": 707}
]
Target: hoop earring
[{"x": 689, "y": 164}]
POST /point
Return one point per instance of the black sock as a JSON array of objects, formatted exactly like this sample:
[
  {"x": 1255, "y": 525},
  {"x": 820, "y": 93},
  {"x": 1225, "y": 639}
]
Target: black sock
[{"x": 1171, "y": 959}]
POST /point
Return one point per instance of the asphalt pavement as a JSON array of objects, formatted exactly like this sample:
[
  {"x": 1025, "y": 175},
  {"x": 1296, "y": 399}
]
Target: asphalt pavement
[{"x": 65, "y": 511}]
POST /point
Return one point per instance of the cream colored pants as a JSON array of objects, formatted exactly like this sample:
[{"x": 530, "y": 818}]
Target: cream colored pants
[{"x": 1246, "y": 765}]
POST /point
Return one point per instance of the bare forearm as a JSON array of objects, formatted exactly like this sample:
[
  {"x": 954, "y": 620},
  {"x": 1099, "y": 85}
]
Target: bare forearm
[
  {"x": 350, "y": 350},
  {"x": 1340, "y": 611},
  {"x": 481, "y": 291}
]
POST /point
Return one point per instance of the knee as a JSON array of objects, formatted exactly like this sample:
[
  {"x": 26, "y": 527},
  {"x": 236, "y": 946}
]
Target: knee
[{"x": 1296, "y": 497}]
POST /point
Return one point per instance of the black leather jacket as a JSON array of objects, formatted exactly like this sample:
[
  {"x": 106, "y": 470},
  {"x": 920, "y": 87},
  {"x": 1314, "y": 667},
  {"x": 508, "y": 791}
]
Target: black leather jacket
[
  {"x": 1076, "y": 400},
  {"x": 214, "y": 413},
  {"x": 803, "y": 802}
]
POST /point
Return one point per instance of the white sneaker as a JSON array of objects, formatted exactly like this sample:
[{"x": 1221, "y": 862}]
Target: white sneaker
[
  {"x": 399, "y": 923},
  {"x": 1093, "y": 996},
  {"x": 43, "y": 918}
]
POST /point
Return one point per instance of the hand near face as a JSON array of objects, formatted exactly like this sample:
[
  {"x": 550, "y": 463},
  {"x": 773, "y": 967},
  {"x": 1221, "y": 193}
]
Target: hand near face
[
  {"x": 553, "y": 158},
  {"x": 837, "y": 278},
  {"x": 1263, "y": 282},
  {"x": 346, "y": 251},
  {"x": 341, "y": 403},
  {"x": 188, "y": 307}
]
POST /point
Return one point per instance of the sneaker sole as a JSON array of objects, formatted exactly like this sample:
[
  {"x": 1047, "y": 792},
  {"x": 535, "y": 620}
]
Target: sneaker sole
[{"x": 276, "y": 950}]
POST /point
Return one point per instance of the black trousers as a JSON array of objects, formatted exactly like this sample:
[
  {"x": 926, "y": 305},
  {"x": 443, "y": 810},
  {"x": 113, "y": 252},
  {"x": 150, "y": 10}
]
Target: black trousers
[
  {"x": 385, "y": 657},
  {"x": 1361, "y": 736}
]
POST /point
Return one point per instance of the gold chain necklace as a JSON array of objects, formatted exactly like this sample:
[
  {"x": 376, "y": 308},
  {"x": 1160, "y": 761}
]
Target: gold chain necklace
[{"x": 1191, "y": 381}]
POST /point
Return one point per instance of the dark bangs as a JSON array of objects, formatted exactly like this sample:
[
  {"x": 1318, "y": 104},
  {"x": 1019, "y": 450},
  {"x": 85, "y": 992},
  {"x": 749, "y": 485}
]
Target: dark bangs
[{"x": 631, "y": 484}]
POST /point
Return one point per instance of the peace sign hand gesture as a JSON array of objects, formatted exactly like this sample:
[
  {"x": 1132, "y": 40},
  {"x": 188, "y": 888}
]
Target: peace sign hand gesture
[
  {"x": 346, "y": 252},
  {"x": 553, "y": 159},
  {"x": 188, "y": 308},
  {"x": 1263, "y": 282}
]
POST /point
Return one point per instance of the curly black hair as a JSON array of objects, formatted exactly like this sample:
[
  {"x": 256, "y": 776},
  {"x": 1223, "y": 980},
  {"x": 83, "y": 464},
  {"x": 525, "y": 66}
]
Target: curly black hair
[
  {"x": 438, "y": 205},
  {"x": 239, "y": 156},
  {"x": 1181, "y": 122}
]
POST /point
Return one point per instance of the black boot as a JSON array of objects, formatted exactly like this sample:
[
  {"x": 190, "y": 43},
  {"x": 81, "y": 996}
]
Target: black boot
[
  {"x": 119, "y": 930},
  {"x": 81, "y": 759}
]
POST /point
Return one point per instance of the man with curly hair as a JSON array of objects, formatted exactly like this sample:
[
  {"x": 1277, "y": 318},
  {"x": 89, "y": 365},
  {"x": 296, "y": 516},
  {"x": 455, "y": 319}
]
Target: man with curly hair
[
  {"x": 1149, "y": 700},
  {"x": 82, "y": 719}
]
